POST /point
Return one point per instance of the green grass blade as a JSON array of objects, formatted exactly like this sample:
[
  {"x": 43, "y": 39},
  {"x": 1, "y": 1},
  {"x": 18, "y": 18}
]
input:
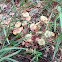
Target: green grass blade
[
  {"x": 16, "y": 36},
  {"x": 60, "y": 49},
  {"x": 3, "y": 58},
  {"x": 22, "y": 3},
  {"x": 36, "y": 59},
  {"x": 5, "y": 35},
  {"x": 14, "y": 8},
  {"x": 28, "y": 5},
  {"x": 42, "y": 1},
  {"x": 15, "y": 42},
  {"x": 33, "y": 10},
  {"x": 13, "y": 4},
  {"x": 58, "y": 40},
  {"x": 54, "y": 21},
  {"x": 2, "y": 53},
  {"x": 5, "y": 49},
  {"x": 12, "y": 60},
  {"x": 32, "y": 59},
  {"x": 8, "y": 28},
  {"x": 60, "y": 15},
  {"x": 55, "y": 26},
  {"x": 58, "y": 36}
]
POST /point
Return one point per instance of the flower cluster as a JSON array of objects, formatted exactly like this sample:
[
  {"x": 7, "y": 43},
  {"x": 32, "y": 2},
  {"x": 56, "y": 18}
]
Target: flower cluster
[
  {"x": 17, "y": 29},
  {"x": 29, "y": 38},
  {"x": 26, "y": 15},
  {"x": 40, "y": 41}
]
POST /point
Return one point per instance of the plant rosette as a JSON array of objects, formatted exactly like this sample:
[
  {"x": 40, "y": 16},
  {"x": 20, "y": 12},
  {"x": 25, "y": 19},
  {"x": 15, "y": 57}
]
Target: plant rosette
[{"x": 40, "y": 41}]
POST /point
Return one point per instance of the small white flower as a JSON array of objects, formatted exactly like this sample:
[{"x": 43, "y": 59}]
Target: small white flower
[
  {"x": 40, "y": 41},
  {"x": 28, "y": 37},
  {"x": 18, "y": 24},
  {"x": 44, "y": 19},
  {"x": 33, "y": 26},
  {"x": 49, "y": 33},
  {"x": 25, "y": 14},
  {"x": 24, "y": 23},
  {"x": 28, "y": 18}
]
